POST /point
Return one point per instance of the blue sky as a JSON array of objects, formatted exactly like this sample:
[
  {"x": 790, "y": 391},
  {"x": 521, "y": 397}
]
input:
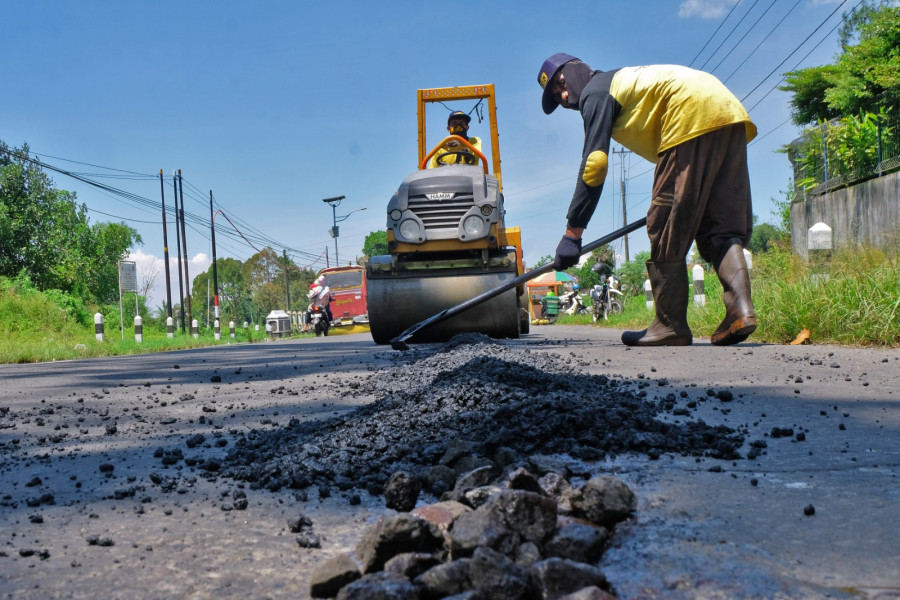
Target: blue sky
[{"x": 276, "y": 105}]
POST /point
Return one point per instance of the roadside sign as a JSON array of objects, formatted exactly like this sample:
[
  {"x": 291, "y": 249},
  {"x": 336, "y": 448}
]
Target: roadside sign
[{"x": 127, "y": 276}]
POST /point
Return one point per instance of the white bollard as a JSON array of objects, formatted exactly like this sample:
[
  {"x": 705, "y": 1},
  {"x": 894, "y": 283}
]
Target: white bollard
[
  {"x": 98, "y": 327},
  {"x": 256, "y": 327},
  {"x": 217, "y": 330},
  {"x": 138, "y": 329},
  {"x": 699, "y": 285},
  {"x": 195, "y": 329},
  {"x": 819, "y": 243},
  {"x": 648, "y": 294},
  {"x": 170, "y": 327},
  {"x": 268, "y": 331},
  {"x": 231, "y": 329}
]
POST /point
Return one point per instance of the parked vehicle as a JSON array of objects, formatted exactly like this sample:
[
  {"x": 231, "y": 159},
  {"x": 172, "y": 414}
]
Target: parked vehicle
[
  {"x": 606, "y": 299},
  {"x": 572, "y": 303}
]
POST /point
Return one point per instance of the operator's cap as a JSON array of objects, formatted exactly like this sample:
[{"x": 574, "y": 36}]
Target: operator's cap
[
  {"x": 548, "y": 70},
  {"x": 458, "y": 114}
]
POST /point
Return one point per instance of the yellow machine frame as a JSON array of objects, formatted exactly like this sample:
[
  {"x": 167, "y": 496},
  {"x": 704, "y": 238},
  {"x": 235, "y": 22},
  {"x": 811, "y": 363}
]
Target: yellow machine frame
[
  {"x": 442, "y": 272},
  {"x": 468, "y": 92}
]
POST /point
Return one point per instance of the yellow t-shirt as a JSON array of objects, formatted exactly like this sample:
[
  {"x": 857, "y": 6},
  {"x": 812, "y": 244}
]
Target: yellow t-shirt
[
  {"x": 648, "y": 110},
  {"x": 456, "y": 159}
]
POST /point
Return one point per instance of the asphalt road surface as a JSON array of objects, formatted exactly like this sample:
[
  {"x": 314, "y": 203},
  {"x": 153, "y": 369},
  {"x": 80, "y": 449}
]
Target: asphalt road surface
[{"x": 88, "y": 509}]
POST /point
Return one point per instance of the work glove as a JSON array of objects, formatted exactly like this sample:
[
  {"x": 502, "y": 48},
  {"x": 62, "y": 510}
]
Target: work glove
[{"x": 567, "y": 253}]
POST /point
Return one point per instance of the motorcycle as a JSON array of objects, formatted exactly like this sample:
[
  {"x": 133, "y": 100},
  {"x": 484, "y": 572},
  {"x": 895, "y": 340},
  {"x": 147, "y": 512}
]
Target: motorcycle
[
  {"x": 606, "y": 299},
  {"x": 572, "y": 303},
  {"x": 318, "y": 320}
]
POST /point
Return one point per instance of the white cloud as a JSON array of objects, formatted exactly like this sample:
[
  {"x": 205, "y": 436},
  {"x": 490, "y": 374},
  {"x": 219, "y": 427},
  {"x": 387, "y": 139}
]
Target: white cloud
[
  {"x": 149, "y": 265},
  {"x": 705, "y": 9}
]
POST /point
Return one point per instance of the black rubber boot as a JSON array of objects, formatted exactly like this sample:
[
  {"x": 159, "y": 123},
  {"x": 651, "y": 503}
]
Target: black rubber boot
[
  {"x": 670, "y": 295},
  {"x": 740, "y": 318}
]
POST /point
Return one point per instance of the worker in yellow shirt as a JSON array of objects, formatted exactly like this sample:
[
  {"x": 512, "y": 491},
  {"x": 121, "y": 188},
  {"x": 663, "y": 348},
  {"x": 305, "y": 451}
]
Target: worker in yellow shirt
[
  {"x": 696, "y": 132},
  {"x": 453, "y": 152}
]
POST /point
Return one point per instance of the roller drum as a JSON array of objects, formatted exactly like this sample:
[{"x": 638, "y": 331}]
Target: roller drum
[{"x": 398, "y": 301}]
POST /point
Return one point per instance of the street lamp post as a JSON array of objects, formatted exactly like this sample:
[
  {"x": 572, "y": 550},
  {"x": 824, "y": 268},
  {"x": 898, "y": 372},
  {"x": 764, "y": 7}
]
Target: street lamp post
[{"x": 334, "y": 231}]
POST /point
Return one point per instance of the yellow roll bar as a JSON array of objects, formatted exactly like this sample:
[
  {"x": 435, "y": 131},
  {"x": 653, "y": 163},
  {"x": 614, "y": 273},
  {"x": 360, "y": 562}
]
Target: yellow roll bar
[
  {"x": 461, "y": 139},
  {"x": 469, "y": 92}
]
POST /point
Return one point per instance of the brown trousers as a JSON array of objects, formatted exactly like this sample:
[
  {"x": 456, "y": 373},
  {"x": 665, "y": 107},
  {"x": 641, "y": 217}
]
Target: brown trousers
[{"x": 701, "y": 190}]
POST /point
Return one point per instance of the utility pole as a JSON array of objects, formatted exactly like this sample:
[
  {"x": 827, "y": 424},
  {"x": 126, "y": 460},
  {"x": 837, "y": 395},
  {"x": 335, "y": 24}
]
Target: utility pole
[
  {"x": 178, "y": 248},
  {"x": 621, "y": 152},
  {"x": 287, "y": 282},
  {"x": 187, "y": 277},
  {"x": 212, "y": 226},
  {"x": 162, "y": 193}
]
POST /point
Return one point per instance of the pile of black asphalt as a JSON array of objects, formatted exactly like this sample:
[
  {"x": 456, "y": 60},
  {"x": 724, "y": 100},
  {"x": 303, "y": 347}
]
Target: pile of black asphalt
[{"x": 491, "y": 398}]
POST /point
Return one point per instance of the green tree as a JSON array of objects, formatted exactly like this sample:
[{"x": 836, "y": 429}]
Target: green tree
[
  {"x": 100, "y": 250},
  {"x": 547, "y": 258},
  {"x": 601, "y": 263},
  {"x": 809, "y": 86},
  {"x": 264, "y": 273},
  {"x": 375, "y": 244},
  {"x": 46, "y": 234},
  {"x": 865, "y": 76},
  {"x": 634, "y": 273},
  {"x": 783, "y": 209},
  {"x": 300, "y": 289},
  {"x": 234, "y": 297},
  {"x": 764, "y": 235}
]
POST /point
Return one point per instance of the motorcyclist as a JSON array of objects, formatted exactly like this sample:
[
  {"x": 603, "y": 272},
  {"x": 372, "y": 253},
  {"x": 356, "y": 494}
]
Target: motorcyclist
[
  {"x": 319, "y": 296},
  {"x": 452, "y": 151}
]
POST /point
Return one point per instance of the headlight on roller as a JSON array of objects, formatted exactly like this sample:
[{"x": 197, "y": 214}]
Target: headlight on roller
[
  {"x": 410, "y": 230},
  {"x": 473, "y": 225},
  {"x": 396, "y": 214}
]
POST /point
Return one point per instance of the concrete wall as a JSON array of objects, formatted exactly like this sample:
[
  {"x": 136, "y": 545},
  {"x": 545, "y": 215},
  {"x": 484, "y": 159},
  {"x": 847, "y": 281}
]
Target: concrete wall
[{"x": 865, "y": 214}]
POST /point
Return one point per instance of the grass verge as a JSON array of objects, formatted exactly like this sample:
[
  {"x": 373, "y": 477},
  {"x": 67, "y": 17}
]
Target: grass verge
[{"x": 852, "y": 300}]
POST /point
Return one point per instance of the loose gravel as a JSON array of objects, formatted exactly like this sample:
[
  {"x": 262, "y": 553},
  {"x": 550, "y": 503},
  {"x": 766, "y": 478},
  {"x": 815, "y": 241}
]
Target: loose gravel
[{"x": 481, "y": 395}]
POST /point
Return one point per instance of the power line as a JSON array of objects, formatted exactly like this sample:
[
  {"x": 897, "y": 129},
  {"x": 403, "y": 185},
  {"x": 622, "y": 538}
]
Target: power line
[
  {"x": 140, "y": 201},
  {"x": 140, "y": 175},
  {"x": 799, "y": 62},
  {"x": 770, "y": 132},
  {"x": 762, "y": 41},
  {"x": 714, "y": 34},
  {"x": 729, "y": 34},
  {"x": 795, "y": 49},
  {"x": 738, "y": 43},
  {"x": 100, "y": 212}
]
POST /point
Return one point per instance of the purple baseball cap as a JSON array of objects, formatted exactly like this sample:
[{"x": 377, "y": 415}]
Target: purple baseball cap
[
  {"x": 548, "y": 70},
  {"x": 458, "y": 114}
]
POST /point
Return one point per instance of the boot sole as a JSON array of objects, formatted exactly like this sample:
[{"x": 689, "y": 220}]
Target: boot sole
[
  {"x": 739, "y": 331},
  {"x": 673, "y": 341}
]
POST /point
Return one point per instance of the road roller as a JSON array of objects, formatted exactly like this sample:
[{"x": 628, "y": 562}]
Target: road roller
[{"x": 448, "y": 240}]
